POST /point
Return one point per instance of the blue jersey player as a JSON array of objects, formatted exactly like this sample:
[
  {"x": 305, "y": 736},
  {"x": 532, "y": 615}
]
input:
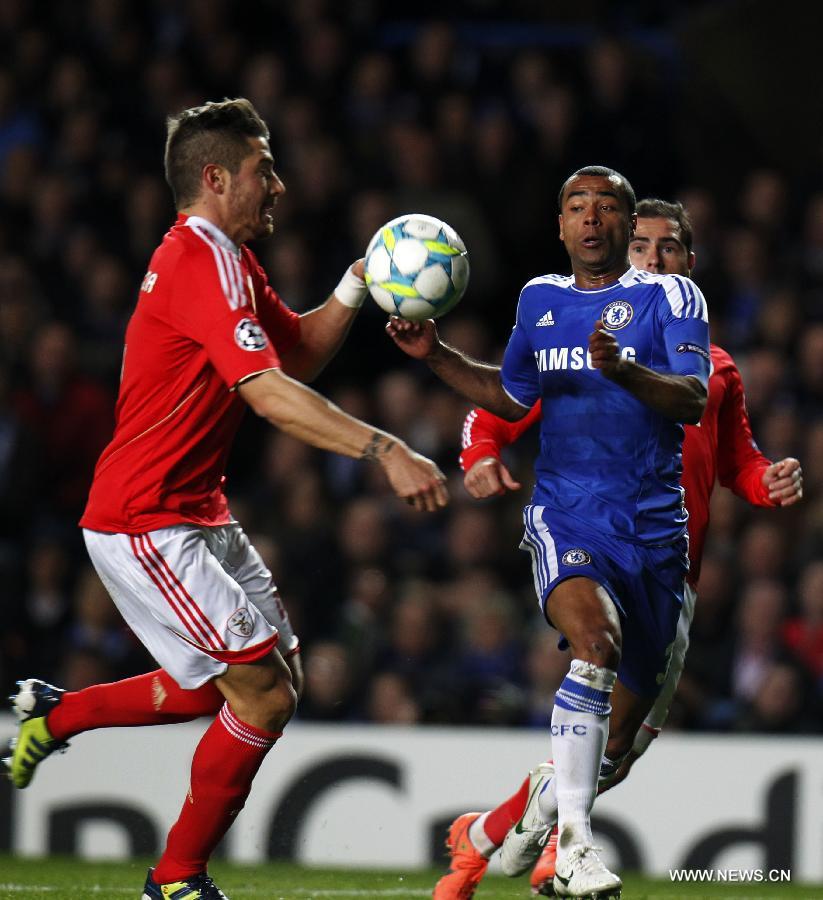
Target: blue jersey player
[{"x": 620, "y": 359}]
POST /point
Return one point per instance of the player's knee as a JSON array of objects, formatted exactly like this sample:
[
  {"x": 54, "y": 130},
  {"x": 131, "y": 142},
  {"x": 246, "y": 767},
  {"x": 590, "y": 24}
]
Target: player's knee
[
  {"x": 281, "y": 703},
  {"x": 597, "y": 645}
]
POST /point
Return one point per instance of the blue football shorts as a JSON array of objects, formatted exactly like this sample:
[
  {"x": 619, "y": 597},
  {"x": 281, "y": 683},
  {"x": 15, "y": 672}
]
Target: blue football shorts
[{"x": 645, "y": 582}]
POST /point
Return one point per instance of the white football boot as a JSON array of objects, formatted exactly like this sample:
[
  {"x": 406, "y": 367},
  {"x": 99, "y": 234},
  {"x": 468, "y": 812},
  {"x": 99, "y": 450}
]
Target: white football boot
[
  {"x": 581, "y": 873},
  {"x": 525, "y": 840}
]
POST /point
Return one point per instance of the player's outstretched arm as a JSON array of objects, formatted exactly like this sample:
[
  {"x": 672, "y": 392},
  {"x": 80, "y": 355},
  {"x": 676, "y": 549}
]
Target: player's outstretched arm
[
  {"x": 477, "y": 381},
  {"x": 681, "y": 398},
  {"x": 306, "y": 415},
  {"x": 323, "y": 330}
]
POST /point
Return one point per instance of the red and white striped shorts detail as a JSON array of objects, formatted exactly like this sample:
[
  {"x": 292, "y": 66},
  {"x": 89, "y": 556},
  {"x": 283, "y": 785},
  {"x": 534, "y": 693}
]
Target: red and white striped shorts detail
[{"x": 189, "y": 604}]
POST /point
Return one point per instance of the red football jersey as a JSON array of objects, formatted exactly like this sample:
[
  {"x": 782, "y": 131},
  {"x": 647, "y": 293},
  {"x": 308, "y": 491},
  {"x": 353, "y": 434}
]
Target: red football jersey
[
  {"x": 720, "y": 447},
  {"x": 206, "y": 318}
]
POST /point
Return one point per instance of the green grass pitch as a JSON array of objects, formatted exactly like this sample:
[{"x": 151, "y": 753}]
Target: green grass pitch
[{"x": 71, "y": 879}]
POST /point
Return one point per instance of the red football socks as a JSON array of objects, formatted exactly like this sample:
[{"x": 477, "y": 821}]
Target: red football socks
[
  {"x": 502, "y": 817},
  {"x": 151, "y": 699},
  {"x": 225, "y": 762}
]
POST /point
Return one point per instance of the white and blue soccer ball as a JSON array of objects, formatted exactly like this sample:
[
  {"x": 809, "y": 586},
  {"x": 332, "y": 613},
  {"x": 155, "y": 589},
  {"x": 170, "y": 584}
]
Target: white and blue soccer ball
[{"x": 417, "y": 267}]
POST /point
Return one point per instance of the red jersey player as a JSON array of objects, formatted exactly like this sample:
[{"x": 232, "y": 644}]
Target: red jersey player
[
  {"x": 720, "y": 447},
  {"x": 208, "y": 333}
]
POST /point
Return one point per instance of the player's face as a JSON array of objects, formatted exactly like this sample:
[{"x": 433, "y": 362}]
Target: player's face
[
  {"x": 252, "y": 194},
  {"x": 595, "y": 223},
  {"x": 657, "y": 246}
]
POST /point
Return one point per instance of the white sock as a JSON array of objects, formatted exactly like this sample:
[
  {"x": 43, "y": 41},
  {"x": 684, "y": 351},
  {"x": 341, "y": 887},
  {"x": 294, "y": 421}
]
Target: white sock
[
  {"x": 477, "y": 835},
  {"x": 580, "y": 729}
]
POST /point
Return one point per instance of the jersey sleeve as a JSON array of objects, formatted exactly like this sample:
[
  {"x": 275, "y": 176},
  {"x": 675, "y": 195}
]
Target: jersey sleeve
[
  {"x": 281, "y": 323},
  {"x": 740, "y": 464},
  {"x": 518, "y": 374},
  {"x": 685, "y": 321},
  {"x": 210, "y": 305},
  {"x": 485, "y": 434}
]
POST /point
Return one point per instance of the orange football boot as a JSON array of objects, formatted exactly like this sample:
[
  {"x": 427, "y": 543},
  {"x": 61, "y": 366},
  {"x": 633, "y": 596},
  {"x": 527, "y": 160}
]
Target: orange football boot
[
  {"x": 466, "y": 867},
  {"x": 542, "y": 877}
]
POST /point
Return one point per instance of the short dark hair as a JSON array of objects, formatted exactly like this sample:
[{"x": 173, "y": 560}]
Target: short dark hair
[
  {"x": 653, "y": 208},
  {"x": 216, "y": 132},
  {"x": 625, "y": 190}
]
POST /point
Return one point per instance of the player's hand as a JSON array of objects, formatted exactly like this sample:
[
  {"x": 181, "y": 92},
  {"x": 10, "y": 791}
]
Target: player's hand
[
  {"x": 418, "y": 339},
  {"x": 359, "y": 268},
  {"x": 414, "y": 478},
  {"x": 488, "y": 477},
  {"x": 606, "y": 784},
  {"x": 784, "y": 480},
  {"x": 604, "y": 350}
]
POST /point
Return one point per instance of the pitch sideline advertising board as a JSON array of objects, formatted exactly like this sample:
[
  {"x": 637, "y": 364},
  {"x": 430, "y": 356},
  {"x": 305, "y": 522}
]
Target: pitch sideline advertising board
[{"x": 375, "y": 796}]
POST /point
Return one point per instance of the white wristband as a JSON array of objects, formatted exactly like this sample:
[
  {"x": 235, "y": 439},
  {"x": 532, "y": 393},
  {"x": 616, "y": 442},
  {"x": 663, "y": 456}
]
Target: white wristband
[{"x": 352, "y": 290}]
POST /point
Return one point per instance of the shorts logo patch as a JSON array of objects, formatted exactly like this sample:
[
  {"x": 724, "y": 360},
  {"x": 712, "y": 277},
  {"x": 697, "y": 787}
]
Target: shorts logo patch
[
  {"x": 576, "y": 557},
  {"x": 240, "y": 622},
  {"x": 617, "y": 314},
  {"x": 248, "y": 335}
]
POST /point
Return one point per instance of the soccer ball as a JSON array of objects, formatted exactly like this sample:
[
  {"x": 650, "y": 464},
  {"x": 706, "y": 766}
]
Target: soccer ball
[{"x": 417, "y": 267}]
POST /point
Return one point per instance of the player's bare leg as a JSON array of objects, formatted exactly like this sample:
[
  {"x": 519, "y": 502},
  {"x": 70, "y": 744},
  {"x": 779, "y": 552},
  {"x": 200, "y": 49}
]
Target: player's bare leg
[{"x": 260, "y": 700}]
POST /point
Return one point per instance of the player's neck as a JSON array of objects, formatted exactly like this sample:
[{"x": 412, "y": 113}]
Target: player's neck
[
  {"x": 211, "y": 214},
  {"x": 593, "y": 279},
  {"x": 203, "y": 211}
]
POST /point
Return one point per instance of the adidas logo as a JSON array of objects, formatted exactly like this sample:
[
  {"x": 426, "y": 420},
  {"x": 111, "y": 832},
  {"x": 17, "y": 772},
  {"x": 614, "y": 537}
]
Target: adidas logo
[{"x": 546, "y": 319}]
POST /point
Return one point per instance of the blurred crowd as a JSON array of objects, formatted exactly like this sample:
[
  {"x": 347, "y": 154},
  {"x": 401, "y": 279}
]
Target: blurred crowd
[{"x": 403, "y": 618}]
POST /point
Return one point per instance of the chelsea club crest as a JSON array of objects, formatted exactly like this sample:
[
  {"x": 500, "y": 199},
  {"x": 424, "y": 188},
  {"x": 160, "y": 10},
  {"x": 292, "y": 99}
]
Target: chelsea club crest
[
  {"x": 576, "y": 557},
  {"x": 617, "y": 314}
]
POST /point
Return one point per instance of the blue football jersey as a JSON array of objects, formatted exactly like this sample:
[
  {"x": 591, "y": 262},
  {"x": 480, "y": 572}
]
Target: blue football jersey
[{"x": 606, "y": 459}]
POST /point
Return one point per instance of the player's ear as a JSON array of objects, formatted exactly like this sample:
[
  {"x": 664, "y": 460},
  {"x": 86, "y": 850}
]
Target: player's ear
[
  {"x": 560, "y": 224},
  {"x": 214, "y": 178},
  {"x": 632, "y": 225},
  {"x": 690, "y": 260}
]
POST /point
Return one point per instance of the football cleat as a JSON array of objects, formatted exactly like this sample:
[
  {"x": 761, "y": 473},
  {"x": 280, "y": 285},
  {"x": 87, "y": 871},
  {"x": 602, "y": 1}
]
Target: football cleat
[
  {"x": 32, "y": 703},
  {"x": 582, "y": 874},
  {"x": 542, "y": 876},
  {"x": 525, "y": 840},
  {"x": 466, "y": 866},
  {"x": 198, "y": 887}
]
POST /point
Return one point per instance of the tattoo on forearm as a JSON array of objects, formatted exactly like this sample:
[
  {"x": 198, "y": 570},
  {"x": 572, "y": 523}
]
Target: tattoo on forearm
[{"x": 378, "y": 446}]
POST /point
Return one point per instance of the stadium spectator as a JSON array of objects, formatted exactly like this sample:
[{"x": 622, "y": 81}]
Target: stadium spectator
[
  {"x": 390, "y": 700},
  {"x": 72, "y": 416},
  {"x": 328, "y": 694},
  {"x": 803, "y": 631}
]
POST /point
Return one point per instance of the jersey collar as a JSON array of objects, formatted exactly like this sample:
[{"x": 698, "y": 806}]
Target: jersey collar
[
  {"x": 212, "y": 230},
  {"x": 627, "y": 279}
]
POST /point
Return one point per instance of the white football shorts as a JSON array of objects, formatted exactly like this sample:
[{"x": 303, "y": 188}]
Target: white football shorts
[{"x": 200, "y": 599}]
